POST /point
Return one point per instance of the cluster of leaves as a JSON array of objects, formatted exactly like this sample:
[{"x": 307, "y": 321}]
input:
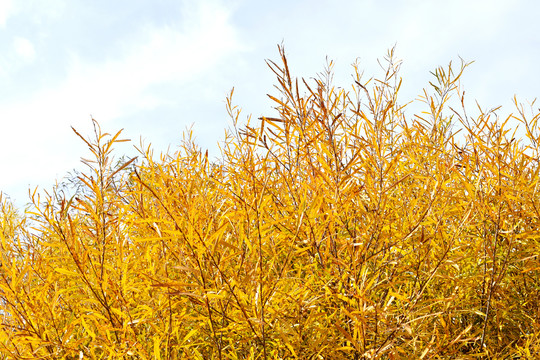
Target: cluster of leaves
[{"x": 338, "y": 229}]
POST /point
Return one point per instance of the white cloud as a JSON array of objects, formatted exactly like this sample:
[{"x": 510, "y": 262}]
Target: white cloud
[
  {"x": 165, "y": 56},
  {"x": 427, "y": 30},
  {"x": 6, "y": 9},
  {"x": 36, "y": 139},
  {"x": 24, "y": 49}
]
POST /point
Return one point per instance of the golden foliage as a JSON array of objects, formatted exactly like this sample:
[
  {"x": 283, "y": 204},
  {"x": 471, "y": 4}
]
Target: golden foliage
[{"x": 338, "y": 229}]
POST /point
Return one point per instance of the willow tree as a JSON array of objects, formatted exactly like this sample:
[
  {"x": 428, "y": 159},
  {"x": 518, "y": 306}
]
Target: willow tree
[{"x": 336, "y": 228}]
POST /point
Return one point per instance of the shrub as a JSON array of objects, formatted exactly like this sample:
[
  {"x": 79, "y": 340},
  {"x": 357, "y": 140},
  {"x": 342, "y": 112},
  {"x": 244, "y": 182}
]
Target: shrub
[{"x": 337, "y": 229}]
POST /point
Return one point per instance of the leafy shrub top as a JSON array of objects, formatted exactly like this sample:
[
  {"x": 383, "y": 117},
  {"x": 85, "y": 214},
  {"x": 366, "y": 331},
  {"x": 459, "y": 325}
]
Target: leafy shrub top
[{"x": 338, "y": 228}]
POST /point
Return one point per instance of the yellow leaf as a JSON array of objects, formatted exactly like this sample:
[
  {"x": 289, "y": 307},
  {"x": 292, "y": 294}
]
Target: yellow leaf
[
  {"x": 87, "y": 328},
  {"x": 65, "y": 272},
  {"x": 157, "y": 352},
  {"x": 189, "y": 335}
]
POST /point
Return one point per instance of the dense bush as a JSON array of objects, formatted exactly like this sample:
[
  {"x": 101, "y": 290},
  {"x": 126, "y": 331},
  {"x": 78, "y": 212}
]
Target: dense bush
[{"x": 337, "y": 229}]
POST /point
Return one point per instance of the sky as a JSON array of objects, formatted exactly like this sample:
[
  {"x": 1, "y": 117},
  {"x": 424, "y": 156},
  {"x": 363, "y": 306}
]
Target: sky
[{"x": 156, "y": 68}]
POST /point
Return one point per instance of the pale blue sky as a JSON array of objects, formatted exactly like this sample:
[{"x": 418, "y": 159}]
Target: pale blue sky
[{"x": 157, "y": 67}]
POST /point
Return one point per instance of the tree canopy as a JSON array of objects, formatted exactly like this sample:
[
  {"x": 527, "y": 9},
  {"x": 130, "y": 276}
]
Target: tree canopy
[{"x": 337, "y": 228}]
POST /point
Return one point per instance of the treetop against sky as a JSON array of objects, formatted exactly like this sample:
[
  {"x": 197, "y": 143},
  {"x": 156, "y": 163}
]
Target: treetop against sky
[{"x": 155, "y": 68}]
